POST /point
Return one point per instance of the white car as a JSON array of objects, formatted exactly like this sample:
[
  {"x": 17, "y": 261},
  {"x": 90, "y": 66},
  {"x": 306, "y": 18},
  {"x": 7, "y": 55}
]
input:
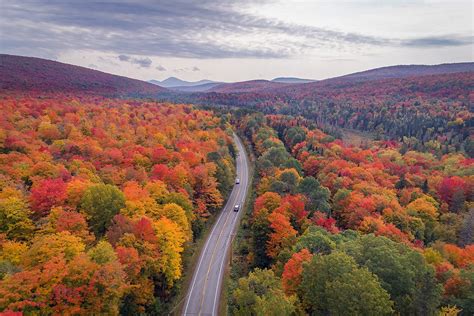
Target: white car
[
  {"x": 236, "y": 208},
  {"x": 237, "y": 181}
]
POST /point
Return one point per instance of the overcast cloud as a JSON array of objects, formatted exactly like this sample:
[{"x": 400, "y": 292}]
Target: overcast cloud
[{"x": 143, "y": 35}]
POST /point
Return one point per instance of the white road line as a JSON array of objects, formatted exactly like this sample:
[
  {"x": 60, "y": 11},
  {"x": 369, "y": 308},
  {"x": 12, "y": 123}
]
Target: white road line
[
  {"x": 200, "y": 262},
  {"x": 214, "y": 252},
  {"x": 196, "y": 274},
  {"x": 226, "y": 245}
]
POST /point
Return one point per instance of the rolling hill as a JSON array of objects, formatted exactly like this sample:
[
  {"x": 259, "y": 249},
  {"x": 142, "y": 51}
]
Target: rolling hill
[
  {"x": 28, "y": 74},
  {"x": 247, "y": 86},
  {"x": 404, "y": 71},
  {"x": 198, "y": 88},
  {"x": 178, "y": 85},
  {"x": 173, "y": 82},
  {"x": 292, "y": 80}
]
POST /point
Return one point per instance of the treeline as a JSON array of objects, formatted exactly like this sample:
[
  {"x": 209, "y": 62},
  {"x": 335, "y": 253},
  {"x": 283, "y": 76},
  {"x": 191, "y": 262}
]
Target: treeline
[
  {"x": 99, "y": 198},
  {"x": 339, "y": 230}
]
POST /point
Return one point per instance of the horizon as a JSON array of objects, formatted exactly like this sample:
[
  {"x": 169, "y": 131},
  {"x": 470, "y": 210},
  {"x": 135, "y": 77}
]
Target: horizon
[
  {"x": 239, "y": 40},
  {"x": 251, "y": 79}
]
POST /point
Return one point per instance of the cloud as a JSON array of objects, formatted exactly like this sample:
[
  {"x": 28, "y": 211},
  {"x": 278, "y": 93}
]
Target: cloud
[
  {"x": 160, "y": 68},
  {"x": 445, "y": 41},
  {"x": 144, "y": 62},
  {"x": 178, "y": 28},
  {"x": 187, "y": 69},
  {"x": 123, "y": 57}
]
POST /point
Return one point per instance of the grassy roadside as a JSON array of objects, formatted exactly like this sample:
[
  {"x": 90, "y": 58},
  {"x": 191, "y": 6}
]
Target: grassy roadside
[{"x": 230, "y": 275}]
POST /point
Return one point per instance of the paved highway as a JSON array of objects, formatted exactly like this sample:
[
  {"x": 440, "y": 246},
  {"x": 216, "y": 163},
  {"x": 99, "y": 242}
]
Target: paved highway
[{"x": 205, "y": 288}]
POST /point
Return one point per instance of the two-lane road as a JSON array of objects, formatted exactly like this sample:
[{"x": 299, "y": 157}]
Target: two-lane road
[{"x": 205, "y": 288}]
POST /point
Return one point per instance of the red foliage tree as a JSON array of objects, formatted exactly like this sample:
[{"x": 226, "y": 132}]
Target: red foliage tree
[{"x": 47, "y": 193}]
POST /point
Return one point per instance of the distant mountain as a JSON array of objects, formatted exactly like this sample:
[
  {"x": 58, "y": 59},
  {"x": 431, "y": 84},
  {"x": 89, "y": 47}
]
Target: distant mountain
[
  {"x": 173, "y": 82},
  {"x": 247, "y": 86},
  {"x": 31, "y": 74},
  {"x": 446, "y": 80},
  {"x": 404, "y": 71},
  {"x": 292, "y": 80},
  {"x": 198, "y": 88}
]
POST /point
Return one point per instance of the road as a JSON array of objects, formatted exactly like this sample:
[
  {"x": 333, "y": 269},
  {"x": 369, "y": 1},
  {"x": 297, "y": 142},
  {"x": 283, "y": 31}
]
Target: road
[{"x": 205, "y": 288}]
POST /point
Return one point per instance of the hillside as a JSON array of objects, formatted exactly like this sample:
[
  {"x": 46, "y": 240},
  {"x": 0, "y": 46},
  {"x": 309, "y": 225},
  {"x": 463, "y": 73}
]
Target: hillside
[
  {"x": 291, "y": 80},
  {"x": 100, "y": 198},
  {"x": 297, "y": 87},
  {"x": 197, "y": 88},
  {"x": 403, "y": 71},
  {"x": 247, "y": 86},
  {"x": 430, "y": 112},
  {"x": 332, "y": 223},
  {"x": 18, "y": 73}
]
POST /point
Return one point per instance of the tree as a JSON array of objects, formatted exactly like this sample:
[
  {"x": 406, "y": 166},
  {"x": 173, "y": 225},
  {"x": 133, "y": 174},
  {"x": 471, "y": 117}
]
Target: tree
[
  {"x": 65, "y": 287},
  {"x": 268, "y": 200},
  {"x": 44, "y": 248},
  {"x": 459, "y": 291},
  {"x": 283, "y": 234},
  {"x": 466, "y": 236},
  {"x": 75, "y": 190},
  {"x": 14, "y": 219},
  {"x": 361, "y": 293},
  {"x": 102, "y": 253},
  {"x": 426, "y": 205},
  {"x": 294, "y": 135},
  {"x": 260, "y": 235},
  {"x": 12, "y": 251},
  {"x": 449, "y": 311},
  {"x": 289, "y": 179},
  {"x": 402, "y": 271},
  {"x": 176, "y": 213},
  {"x": 316, "y": 194},
  {"x": 101, "y": 203},
  {"x": 47, "y": 193},
  {"x": 402, "y": 183},
  {"x": 316, "y": 240},
  {"x": 333, "y": 284},
  {"x": 75, "y": 223},
  {"x": 453, "y": 191},
  {"x": 291, "y": 277},
  {"x": 120, "y": 225},
  {"x": 170, "y": 240},
  {"x": 260, "y": 294}
]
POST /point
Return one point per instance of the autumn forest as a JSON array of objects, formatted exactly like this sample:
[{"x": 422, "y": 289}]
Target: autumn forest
[{"x": 108, "y": 189}]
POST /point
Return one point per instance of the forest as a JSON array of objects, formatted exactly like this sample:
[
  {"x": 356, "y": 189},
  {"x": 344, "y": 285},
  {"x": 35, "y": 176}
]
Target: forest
[
  {"x": 100, "y": 198},
  {"x": 424, "y": 112},
  {"x": 105, "y": 195},
  {"x": 336, "y": 229}
]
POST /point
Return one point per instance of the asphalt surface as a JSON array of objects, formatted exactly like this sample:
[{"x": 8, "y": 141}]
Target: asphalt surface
[{"x": 205, "y": 288}]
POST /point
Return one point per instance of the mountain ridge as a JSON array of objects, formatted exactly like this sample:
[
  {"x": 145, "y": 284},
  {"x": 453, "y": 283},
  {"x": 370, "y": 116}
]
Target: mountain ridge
[
  {"x": 172, "y": 82},
  {"x": 21, "y": 73}
]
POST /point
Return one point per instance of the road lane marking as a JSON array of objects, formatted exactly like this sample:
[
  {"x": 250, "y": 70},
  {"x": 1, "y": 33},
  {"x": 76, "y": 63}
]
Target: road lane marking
[
  {"x": 228, "y": 240},
  {"x": 214, "y": 251},
  {"x": 242, "y": 165},
  {"x": 200, "y": 260}
]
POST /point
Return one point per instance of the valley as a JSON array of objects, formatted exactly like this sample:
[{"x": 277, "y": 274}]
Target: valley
[{"x": 107, "y": 183}]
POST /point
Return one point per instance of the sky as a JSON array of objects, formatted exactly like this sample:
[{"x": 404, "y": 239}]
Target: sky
[{"x": 237, "y": 40}]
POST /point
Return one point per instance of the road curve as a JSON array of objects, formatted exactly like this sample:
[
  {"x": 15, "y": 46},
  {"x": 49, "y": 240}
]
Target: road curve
[{"x": 203, "y": 294}]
